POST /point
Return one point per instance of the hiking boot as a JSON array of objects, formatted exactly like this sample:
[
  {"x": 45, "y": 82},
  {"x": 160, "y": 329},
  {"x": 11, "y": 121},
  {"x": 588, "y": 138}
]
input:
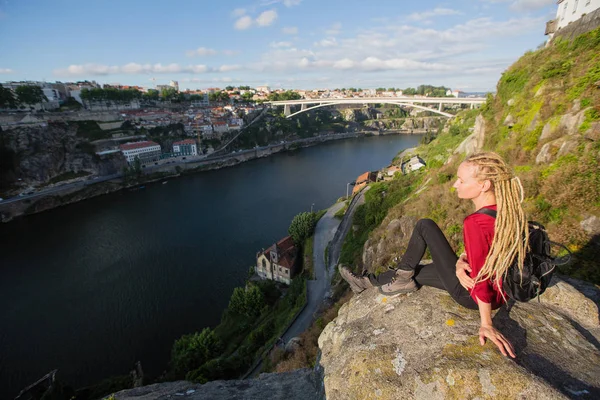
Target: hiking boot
[
  {"x": 402, "y": 282},
  {"x": 357, "y": 283}
]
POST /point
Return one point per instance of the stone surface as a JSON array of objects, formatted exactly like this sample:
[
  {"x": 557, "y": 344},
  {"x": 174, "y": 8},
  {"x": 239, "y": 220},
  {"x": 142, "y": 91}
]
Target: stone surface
[
  {"x": 594, "y": 132},
  {"x": 567, "y": 147},
  {"x": 509, "y": 121},
  {"x": 302, "y": 384},
  {"x": 383, "y": 251},
  {"x": 591, "y": 225},
  {"x": 546, "y": 132},
  {"x": 510, "y": 102},
  {"x": 425, "y": 346},
  {"x": 474, "y": 142},
  {"x": 570, "y": 122},
  {"x": 544, "y": 156}
]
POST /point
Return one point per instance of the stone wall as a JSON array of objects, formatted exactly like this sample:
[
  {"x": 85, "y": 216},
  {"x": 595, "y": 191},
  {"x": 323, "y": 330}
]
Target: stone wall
[{"x": 587, "y": 23}]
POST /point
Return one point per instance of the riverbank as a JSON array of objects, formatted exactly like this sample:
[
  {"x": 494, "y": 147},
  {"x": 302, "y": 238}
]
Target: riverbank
[{"x": 73, "y": 194}]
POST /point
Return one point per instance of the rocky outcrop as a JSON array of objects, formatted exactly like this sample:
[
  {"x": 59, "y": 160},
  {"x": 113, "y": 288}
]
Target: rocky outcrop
[
  {"x": 44, "y": 152},
  {"x": 474, "y": 142},
  {"x": 385, "y": 251},
  {"x": 425, "y": 346},
  {"x": 302, "y": 384}
]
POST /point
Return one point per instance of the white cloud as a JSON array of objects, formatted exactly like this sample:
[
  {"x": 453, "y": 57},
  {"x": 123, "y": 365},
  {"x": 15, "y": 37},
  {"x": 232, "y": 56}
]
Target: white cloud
[
  {"x": 438, "y": 11},
  {"x": 6, "y": 71},
  {"x": 287, "y": 3},
  {"x": 231, "y": 52},
  {"x": 228, "y": 68},
  {"x": 242, "y": 23},
  {"x": 238, "y": 12},
  {"x": 201, "y": 51},
  {"x": 327, "y": 42},
  {"x": 345, "y": 63},
  {"x": 335, "y": 29},
  {"x": 524, "y": 5},
  {"x": 266, "y": 18},
  {"x": 131, "y": 68},
  {"x": 290, "y": 30},
  {"x": 277, "y": 45}
]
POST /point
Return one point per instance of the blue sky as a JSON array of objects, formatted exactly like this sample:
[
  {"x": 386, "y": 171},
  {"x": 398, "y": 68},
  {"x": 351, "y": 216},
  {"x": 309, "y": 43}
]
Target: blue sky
[{"x": 303, "y": 44}]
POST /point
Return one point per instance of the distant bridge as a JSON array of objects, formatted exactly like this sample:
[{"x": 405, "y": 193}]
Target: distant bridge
[{"x": 415, "y": 102}]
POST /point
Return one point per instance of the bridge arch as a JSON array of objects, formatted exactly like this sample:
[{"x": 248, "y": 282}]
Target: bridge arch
[{"x": 400, "y": 103}]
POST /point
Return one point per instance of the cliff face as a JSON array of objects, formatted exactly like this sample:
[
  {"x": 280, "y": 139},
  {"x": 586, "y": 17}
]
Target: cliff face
[
  {"x": 40, "y": 153},
  {"x": 302, "y": 384},
  {"x": 424, "y": 346}
]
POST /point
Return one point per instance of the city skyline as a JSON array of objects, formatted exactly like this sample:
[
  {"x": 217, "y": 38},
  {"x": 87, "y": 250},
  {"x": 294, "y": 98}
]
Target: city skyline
[{"x": 295, "y": 44}]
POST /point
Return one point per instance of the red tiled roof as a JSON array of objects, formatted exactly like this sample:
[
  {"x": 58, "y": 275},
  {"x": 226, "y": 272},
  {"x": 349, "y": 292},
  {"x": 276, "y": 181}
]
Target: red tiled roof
[
  {"x": 186, "y": 141},
  {"x": 366, "y": 177},
  {"x": 137, "y": 145},
  {"x": 287, "y": 252}
]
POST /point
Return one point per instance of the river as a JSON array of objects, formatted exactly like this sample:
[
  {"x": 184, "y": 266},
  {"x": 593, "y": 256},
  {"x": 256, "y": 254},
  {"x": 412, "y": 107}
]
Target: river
[{"x": 92, "y": 287}]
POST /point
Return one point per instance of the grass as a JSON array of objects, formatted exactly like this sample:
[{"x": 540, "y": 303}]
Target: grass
[{"x": 308, "y": 265}]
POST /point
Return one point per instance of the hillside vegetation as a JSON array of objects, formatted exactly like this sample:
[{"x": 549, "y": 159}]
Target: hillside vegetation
[{"x": 545, "y": 121}]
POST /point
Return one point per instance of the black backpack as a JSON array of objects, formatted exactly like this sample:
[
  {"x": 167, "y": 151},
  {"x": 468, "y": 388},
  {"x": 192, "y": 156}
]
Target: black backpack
[{"x": 538, "y": 266}]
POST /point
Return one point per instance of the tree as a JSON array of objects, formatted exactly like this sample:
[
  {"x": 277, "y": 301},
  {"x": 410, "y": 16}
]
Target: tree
[
  {"x": 248, "y": 302},
  {"x": 7, "y": 98},
  {"x": 151, "y": 94},
  {"x": 229, "y": 88},
  {"x": 191, "y": 351},
  {"x": 30, "y": 94},
  {"x": 168, "y": 94},
  {"x": 302, "y": 227},
  {"x": 137, "y": 167}
]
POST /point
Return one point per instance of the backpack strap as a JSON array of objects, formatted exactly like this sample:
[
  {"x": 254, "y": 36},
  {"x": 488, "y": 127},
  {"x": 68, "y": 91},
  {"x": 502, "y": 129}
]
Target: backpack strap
[{"x": 486, "y": 211}]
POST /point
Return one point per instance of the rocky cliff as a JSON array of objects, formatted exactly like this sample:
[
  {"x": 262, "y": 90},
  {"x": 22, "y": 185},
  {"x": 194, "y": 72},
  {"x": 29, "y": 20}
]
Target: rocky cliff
[
  {"x": 425, "y": 346},
  {"x": 35, "y": 155},
  {"x": 302, "y": 384}
]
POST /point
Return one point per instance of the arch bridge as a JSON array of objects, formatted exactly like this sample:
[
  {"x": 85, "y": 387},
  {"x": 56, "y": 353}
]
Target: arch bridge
[{"x": 415, "y": 102}]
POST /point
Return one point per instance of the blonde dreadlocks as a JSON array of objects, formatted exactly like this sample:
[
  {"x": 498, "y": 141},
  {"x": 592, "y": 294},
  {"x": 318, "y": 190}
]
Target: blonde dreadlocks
[{"x": 511, "y": 235}]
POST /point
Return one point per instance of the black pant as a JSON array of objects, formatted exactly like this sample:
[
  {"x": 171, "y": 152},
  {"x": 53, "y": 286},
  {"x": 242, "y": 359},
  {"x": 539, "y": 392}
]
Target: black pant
[{"x": 441, "y": 273}]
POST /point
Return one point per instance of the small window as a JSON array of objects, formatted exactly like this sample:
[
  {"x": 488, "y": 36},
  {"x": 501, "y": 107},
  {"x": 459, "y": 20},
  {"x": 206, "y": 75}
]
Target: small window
[
  {"x": 575, "y": 6},
  {"x": 587, "y": 3}
]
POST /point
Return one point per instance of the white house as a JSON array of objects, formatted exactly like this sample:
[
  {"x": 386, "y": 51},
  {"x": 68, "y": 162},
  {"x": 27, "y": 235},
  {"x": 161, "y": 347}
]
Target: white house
[
  {"x": 146, "y": 151},
  {"x": 185, "y": 147},
  {"x": 570, "y": 11},
  {"x": 413, "y": 164}
]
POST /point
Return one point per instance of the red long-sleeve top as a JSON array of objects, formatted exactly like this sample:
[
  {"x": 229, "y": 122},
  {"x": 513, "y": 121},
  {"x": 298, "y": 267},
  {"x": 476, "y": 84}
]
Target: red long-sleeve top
[{"x": 478, "y": 234}]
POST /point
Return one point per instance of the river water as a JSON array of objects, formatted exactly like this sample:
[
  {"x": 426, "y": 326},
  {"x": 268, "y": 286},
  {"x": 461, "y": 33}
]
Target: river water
[{"x": 92, "y": 287}]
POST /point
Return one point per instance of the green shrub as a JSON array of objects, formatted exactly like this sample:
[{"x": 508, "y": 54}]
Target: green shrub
[{"x": 556, "y": 68}]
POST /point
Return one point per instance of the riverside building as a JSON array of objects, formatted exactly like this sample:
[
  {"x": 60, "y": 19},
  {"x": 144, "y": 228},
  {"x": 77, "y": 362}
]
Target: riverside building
[
  {"x": 146, "y": 151},
  {"x": 278, "y": 262},
  {"x": 185, "y": 147}
]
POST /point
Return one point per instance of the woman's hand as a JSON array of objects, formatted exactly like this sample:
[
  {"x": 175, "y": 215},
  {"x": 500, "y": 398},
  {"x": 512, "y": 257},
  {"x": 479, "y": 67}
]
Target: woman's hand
[
  {"x": 488, "y": 331},
  {"x": 462, "y": 267}
]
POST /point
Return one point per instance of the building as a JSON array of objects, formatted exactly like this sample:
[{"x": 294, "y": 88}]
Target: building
[
  {"x": 174, "y": 85},
  {"x": 146, "y": 151},
  {"x": 363, "y": 180},
  {"x": 570, "y": 11},
  {"x": 413, "y": 164},
  {"x": 278, "y": 262},
  {"x": 187, "y": 147},
  {"x": 393, "y": 169},
  {"x": 220, "y": 127}
]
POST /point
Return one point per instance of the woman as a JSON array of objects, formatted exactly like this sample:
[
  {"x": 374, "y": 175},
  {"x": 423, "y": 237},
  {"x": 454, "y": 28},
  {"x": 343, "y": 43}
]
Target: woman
[{"x": 475, "y": 279}]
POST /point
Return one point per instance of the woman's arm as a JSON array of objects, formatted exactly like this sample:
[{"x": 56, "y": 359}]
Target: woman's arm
[{"x": 487, "y": 330}]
